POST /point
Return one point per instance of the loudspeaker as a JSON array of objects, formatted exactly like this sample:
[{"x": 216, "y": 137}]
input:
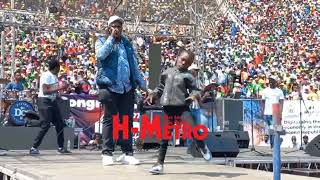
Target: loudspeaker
[
  {"x": 153, "y": 142},
  {"x": 233, "y": 115},
  {"x": 64, "y": 107},
  {"x": 220, "y": 144},
  {"x": 154, "y": 65},
  {"x": 242, "y": 137},
  {"x": 151, "y": 114},
  {"x": 313, "y": 147},
  {"x": 22, "y": 137}
]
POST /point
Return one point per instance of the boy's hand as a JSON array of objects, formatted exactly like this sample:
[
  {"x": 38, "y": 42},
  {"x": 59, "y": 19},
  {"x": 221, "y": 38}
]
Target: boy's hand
[
  {"x": 193, "y": 97},
  {"x": 149, "y": 100},
  {"x": 145, "y": 92},
  {"x": 143, "y": 89},
  {"x": 190, "y": 98}
]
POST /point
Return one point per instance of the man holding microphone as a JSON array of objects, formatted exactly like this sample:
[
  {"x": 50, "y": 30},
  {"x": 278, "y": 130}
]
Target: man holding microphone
[{"x": 117, "y": 78}]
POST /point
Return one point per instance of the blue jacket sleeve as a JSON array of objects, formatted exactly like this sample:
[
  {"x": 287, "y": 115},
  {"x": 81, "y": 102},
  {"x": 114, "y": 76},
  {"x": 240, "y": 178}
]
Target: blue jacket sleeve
[{"x": 104, "y": 47}]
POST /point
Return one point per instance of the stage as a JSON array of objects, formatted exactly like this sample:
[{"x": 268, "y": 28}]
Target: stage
[{"x": 84, "y": 164}]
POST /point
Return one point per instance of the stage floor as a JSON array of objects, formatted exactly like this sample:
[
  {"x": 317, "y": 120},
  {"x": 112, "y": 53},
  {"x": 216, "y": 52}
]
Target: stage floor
[{"x": 84, "y": 164}]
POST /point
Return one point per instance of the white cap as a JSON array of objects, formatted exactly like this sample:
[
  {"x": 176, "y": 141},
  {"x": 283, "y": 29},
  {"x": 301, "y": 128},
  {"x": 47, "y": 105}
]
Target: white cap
[{"x": 115, "y": 18}]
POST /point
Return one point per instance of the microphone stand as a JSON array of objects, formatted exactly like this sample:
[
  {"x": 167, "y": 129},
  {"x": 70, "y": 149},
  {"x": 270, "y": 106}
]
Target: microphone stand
[
  {"x": 2, "y": 115},
  {"x": 305, "y": 106}
]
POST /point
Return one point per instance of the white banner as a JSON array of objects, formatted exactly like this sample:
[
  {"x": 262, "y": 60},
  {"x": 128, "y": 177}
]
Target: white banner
[{"x": 310, "y": 118}]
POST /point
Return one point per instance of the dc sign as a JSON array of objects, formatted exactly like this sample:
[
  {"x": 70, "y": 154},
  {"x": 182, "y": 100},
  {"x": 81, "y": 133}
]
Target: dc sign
[{"x": 17, "y": 111}]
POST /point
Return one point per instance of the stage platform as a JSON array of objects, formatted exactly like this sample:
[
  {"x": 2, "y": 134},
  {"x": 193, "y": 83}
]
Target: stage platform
[{"x": 84, "y": 165}]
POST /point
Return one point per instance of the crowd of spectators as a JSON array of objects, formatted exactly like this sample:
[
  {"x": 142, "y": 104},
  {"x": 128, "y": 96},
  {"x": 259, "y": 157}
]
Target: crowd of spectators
[
  {"x": 175, "y": 11},
  {"x": 279, "y": 39}
]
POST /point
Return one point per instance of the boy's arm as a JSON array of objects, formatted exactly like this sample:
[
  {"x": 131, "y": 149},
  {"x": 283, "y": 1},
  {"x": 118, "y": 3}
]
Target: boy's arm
[{"x": 192, "y": 86}]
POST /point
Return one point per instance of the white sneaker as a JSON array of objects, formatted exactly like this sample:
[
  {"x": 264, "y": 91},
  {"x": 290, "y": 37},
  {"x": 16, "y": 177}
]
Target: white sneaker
[
  {"x": 121, "y": 158},
  {"x": 128, "y": 160},
  {"x": 156, "y": 169},
  {"x": 3, "y": 152},
  {"x": 107, "y": 160},
  {"x": 206, "y": 154}
]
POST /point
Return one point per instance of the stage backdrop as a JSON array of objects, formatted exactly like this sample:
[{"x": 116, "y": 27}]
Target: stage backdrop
[
  {"x": 291, "y": 120},
  {"x": 86, "y": 111},
  {"x": 252, "y": 111}
]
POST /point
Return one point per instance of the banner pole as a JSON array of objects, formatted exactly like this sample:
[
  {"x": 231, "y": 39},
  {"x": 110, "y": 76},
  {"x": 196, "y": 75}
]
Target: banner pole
[{"x": 276, "y": 148}]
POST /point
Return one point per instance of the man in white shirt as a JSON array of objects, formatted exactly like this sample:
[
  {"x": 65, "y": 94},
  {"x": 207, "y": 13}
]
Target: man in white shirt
[
  {"x": 48, "y": 107},
  {"x": 271, "y": 95}
]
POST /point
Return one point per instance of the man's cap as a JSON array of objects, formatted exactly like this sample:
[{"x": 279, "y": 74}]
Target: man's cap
[{"x": 115, "y": 18}]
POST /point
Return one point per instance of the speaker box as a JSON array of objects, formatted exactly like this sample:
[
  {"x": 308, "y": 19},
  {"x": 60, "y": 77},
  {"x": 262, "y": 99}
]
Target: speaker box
[
  {"x": 151, "y": 114},
  {"x": 233, "y": 115},
  {"x": 154, "y": 65},
  {"x": 242, "y": 137},
  {"x": 151, "y": 142},
  {"x": 22, "y": 137},
  {"x": 220, "y": 144},
  {"x": 313, "y": 147},
  {"x": 64, "y": 107}
]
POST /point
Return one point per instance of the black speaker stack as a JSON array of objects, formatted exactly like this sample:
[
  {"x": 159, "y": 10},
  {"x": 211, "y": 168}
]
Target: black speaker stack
[
  {"x": 313, "y": 147},
  {"x": 223, "y": 144}
]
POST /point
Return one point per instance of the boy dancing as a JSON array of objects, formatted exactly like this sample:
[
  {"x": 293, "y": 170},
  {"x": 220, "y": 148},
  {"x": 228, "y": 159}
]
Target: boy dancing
[{"x": 175, "y": 83}]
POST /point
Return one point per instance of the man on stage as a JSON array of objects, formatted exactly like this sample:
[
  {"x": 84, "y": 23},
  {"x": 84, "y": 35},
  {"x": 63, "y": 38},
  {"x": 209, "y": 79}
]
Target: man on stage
[
  {"x": 48, "y": 107},
  {"x": 118, "y": 76},
  {"x": 271, "y": 95}
]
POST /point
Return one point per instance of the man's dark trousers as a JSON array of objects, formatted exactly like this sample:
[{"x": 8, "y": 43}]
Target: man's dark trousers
[
  {"x": 117, "y": 104},
  {"x": 49, "y": 113}
]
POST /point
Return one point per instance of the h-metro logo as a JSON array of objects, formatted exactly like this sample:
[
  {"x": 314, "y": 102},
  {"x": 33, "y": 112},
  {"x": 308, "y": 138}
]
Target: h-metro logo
[{"x": 199, "y": 132}]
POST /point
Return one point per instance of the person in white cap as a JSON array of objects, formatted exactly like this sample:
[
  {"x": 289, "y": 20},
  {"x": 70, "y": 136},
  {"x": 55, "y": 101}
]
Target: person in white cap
[
  {"x": 117, "y": 77},
  {"x": 195, "y": 72}
]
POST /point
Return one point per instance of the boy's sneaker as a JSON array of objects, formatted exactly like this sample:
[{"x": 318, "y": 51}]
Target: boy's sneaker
[
  {"x": 206, "y": 153},
  {"x": 107, "y": 160},
  {"x": 34, "y": 151},
  {"x": 63, "y": 151},
  {"x": 156, "y": 169}
]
